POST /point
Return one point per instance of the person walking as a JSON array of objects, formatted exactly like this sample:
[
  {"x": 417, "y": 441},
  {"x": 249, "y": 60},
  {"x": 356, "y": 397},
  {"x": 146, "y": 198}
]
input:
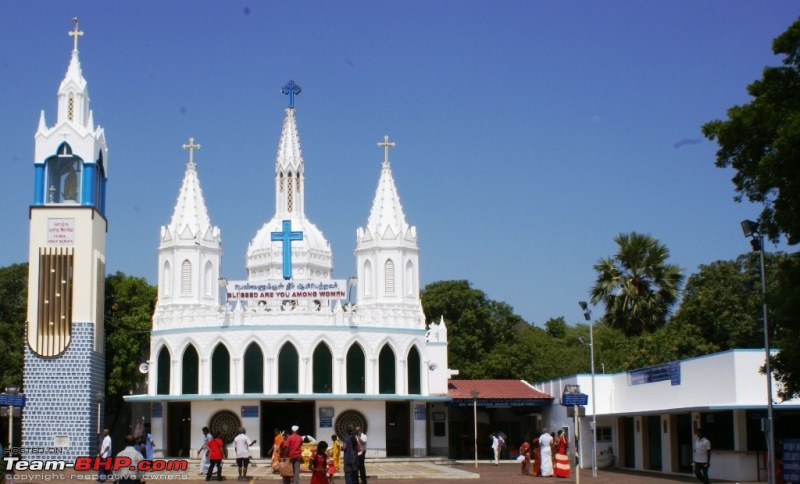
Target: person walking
[
  {"x": 349, "y": 446},
  {"x": 318, "y": 464},
  {"x": 362, "y": 454},
  {"x": 276, "y": 449},
  {"x": 241, "y": 445},
  {"x": 215, "y": 456},
  {"x": 497, "y": 446},
  {"x": 295, "y": 445},
  {"x": 105, "y": 453},
  {"x": 702, "y": 456},
  {"x": 206, "y": 459}
]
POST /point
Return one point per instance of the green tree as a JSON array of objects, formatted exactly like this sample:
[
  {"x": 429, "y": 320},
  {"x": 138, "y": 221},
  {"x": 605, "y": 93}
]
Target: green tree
[
  {"x": 637, "y": 286},
  {"x": 476, "y": 326},
  {"x": 129, "y": 305},
  {"x": 13, "y": 314},
  {"x": 761, "y": 141},
  {"x": 723, "y": 302}
]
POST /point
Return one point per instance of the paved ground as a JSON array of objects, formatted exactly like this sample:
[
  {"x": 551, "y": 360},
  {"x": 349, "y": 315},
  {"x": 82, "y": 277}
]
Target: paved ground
[{"x": 390, "y": 472}]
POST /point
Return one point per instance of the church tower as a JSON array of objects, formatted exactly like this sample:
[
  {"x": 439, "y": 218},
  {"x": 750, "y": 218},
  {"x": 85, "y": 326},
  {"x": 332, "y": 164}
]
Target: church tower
[
  {"x": 387, "y": 256},
  {"x": 66, "y": 277},
  {"x": 189, "y": 256}
]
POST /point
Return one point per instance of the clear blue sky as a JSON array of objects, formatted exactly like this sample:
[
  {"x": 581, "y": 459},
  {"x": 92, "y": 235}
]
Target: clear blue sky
[{"x": 529, "y": 133}]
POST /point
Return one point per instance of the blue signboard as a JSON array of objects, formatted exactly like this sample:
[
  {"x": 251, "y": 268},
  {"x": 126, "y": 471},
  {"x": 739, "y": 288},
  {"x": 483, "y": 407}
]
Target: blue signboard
[
  {"x": 791, "y": 460},
  {"x": 249, "y": 411},
  {"x": 572, "y": 399},
  {"x": 7, "y": 400},
  {"x": 667, "y": 371}
]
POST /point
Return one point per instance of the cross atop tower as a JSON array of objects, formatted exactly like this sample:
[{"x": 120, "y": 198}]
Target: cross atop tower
[
  {"x": 191, "y": 147},
  {"x": 292, "y": 90},
  {"x": 75, "y": 33},
  {"x": 386, "y": 145}
]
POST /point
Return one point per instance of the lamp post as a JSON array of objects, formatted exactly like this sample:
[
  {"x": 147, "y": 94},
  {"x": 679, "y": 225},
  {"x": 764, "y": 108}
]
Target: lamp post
[
  {"x": 12, "y": 390},
  {"x": 475, "y": 394},
  {"x": 751, "y": 229},
  {"x": 587, "y": 315}
]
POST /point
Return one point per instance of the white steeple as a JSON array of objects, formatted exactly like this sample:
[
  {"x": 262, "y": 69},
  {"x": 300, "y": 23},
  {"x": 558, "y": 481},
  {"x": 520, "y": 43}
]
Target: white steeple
[
  {"x": 311, "y": 256},
  {"x": 387, "y": 256},
  {"x": 190, "y": 247}
]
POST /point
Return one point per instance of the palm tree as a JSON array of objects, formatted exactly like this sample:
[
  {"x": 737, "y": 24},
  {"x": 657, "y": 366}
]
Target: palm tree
[{"x": 637, "y": 286}]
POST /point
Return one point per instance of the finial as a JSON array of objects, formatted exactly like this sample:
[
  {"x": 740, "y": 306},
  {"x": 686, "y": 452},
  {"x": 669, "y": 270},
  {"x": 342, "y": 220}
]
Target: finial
[
  {"x": 292, "y": 90},
  {"x": 191, "y": 147},
  {"x": 386, "y": 145},
  {"x": 75, "y": 32}
]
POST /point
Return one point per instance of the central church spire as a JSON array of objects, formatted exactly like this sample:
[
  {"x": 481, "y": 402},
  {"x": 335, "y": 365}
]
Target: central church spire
[{"x": 289, "y": 246}]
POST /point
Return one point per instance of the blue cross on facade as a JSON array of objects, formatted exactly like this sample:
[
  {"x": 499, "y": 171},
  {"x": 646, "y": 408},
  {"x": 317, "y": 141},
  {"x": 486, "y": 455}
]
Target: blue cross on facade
[
  {"x": 287, "y": 236},
  {"x": 292, "y": 90}
]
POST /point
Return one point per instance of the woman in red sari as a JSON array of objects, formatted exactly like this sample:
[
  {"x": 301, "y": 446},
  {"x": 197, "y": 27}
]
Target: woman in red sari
[
  {"x": 318, "y": 464},
  {"x": 562, "y": 459},
  {"x": 536, "y": 467}
]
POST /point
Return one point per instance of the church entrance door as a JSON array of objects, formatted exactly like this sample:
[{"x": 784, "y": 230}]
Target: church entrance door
[
  {"x": 397, "y": 429},
  {"x": 283, "y": 415},
  {"x": 179, "y": 428}
]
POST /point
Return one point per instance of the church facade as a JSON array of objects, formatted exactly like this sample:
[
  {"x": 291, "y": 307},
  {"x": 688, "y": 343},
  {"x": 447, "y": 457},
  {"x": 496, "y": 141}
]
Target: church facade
[{"x": 286, "y": 347}]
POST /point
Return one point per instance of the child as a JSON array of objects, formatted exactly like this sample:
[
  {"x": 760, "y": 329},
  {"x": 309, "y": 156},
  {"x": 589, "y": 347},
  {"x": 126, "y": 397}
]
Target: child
[{"x": 331, "y": 468}]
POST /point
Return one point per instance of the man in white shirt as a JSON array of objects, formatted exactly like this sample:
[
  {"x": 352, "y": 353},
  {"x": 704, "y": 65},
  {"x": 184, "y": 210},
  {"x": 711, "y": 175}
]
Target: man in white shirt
[
  {"x": 702, "y": 456},
  {"x": 125, "y": 474},
  {"x": 241, "y": 445},
  {"x": 105, "y": 452},
  {"x": 546, "y": 453}
]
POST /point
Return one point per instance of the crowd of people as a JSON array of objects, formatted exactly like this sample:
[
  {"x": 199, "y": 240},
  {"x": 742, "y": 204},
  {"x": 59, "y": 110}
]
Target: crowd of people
[{"x": 543, "y": 456}]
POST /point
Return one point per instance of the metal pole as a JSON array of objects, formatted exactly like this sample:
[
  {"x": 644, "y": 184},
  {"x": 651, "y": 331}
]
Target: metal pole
[
  {"x": 770, "y": 424},
  {"x": 475, "y": 421},
  {"x": 10, "y": 428},
  {"x": 594, "y": 407},
  {"x": 577, "y": 454}
]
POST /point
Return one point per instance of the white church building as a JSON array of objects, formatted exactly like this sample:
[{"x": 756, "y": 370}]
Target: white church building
[{"x": 286, "y": 347}]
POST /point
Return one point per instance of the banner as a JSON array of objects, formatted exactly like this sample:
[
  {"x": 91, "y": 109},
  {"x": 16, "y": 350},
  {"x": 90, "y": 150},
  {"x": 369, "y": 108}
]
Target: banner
[{"x": 286, "y": 290}]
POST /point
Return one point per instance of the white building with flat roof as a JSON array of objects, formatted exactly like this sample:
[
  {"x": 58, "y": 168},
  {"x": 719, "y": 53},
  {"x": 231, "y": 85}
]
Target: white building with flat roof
[{"x": 646, "y": 417}]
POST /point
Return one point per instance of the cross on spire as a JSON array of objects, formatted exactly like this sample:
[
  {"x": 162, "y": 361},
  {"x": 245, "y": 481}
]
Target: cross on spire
[
  {"x": 292, "y": 90},
  {"x": 191, "y": 147},
  {"x": 386, "y": 145},
  {"x": 75, "y": 33},
  {"x": 286, "y": 236}
]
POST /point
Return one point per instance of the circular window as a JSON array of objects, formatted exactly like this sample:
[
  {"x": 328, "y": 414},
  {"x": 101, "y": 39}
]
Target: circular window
[
  {"x": 224, "y": 424},
  {"x": 350, "y": 418}
]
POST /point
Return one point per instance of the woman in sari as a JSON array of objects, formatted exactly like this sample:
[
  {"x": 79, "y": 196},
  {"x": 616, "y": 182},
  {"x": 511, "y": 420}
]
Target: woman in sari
[
  {"x": 536, "y": 467},
  {"x": 276, "y": 450},
  {"x": 562, "y": 459}
]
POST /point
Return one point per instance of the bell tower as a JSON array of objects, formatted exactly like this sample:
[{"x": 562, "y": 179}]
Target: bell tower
[{"x": 64, "y": 362}]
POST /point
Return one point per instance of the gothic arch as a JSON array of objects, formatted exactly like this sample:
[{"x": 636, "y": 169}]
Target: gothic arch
[
  {"x": 253, "y": 363},
  {"x": 220, "y": 369},
  {"x": 356, "y": 369},
  {"x": 389, "y": 278},
  {"x": 190, "y": 374},
  {"x": 322, "y": 369},
  {"x": 414, "y": 371},
  {"x": 409, "y": 279},
  {"x": 288, "y": 369},
  {"x": 164, "y": 371},
  {"x": 367, "y": 278},
  {"x": 208, "y": 279},
  {"x": 387, "y": 371}
]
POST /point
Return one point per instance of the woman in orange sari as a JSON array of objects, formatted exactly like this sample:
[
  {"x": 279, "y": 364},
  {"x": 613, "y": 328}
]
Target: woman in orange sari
[
  {"x": 536, "y": 468},
  {"x": 276, "y": 450},
  {"x": 562, "y": 459}
]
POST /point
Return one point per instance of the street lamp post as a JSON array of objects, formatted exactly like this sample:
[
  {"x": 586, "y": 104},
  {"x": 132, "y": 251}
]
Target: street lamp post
[
  {"x": 587, "y": 315},
  {"x": 751, "y": 229},
  {"x": 475, "y": 394},
  {"x": 12, "y": 390}
]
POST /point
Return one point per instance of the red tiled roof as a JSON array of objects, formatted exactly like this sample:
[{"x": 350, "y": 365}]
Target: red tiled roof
[{"x": 493, "y": 389}]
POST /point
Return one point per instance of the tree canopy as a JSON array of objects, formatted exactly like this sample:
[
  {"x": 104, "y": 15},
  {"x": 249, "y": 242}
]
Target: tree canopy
[
  {"x": 637, "y": 286},
  {"x": 13, "y": 312},
  {"x": 761, "y": 141}
]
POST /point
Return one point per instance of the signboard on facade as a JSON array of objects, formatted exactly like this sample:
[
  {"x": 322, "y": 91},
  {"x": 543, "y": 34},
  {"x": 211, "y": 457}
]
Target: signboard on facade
[
  {"x": 791, "y": 460},
  {"x": 572, "y": 399},
  {"x": 667, "y": 371},
  {"x": 500, "y": 402},
  {"x": 281, "y": 290},
  {"x": 419, "y": 412},
  {"x": 60, "y": 231},
  {"x": 8, "y": 400}
]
